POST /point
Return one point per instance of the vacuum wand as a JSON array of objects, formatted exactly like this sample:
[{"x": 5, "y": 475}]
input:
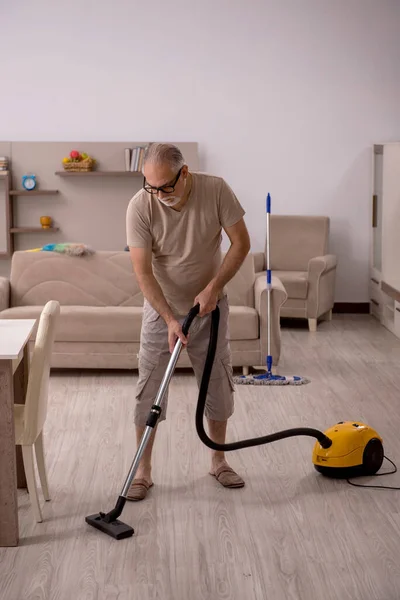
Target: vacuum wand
[{"x": 153, "y": 417}]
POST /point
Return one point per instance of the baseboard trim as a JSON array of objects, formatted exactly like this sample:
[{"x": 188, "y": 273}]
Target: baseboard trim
[{"x": 360, "y": 308}]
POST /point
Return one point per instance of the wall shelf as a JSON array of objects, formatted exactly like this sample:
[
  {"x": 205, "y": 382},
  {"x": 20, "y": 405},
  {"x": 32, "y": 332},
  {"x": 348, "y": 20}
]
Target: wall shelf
[
  {"x": 33, "y": 192},
  {"x": 99, "y": 173},
  {"x": 33, "y": 229},
  {"x": 10, "y": 226},
  {"x": 6, "y": 177}
]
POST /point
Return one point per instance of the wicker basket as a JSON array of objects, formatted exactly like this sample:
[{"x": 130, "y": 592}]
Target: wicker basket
[{"x": 81, "y": 166}]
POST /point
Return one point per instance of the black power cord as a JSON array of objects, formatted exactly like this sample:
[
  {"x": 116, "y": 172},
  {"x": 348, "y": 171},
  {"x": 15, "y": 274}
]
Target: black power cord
[{"x": 378, "y": 487}]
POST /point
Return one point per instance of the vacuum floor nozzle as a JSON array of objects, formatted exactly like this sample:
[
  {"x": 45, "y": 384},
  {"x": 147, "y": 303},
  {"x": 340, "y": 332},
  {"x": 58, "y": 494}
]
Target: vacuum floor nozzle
[{"x": 116, "y": 529}]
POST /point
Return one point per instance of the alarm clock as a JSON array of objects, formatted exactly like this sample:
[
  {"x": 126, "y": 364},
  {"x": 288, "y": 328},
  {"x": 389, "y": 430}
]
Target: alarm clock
[{"x": 29, "y": 182}]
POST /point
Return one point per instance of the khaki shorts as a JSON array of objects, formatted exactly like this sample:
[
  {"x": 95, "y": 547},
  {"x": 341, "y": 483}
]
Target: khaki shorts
[{"x": 154, "y": 356}]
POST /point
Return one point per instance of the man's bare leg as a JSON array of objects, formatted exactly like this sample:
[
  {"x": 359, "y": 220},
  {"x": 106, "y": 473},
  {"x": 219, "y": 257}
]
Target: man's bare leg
[
  {"x": 219, "y": 466},
  {"x": 144, "y": 468},
  {"x": 143, "y": 473}
]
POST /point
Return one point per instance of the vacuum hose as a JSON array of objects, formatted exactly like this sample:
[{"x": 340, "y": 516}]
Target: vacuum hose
[{"x": 325, "y": 441}]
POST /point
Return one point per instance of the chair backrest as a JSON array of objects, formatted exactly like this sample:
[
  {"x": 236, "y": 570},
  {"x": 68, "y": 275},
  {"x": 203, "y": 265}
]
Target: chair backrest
[
  {"x": 240, "y": 288},
  {"x": 295, "y": 239},
  {"x": 39, "y": 373}
]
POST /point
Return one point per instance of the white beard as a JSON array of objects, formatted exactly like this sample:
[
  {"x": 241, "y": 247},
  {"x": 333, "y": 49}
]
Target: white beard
[{"x": 172, "y": 201}]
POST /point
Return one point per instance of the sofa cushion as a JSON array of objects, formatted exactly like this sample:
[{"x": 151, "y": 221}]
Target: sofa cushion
[
  {"x": 88, "y": 323},
  {"x": 295, "y": 283},
  {"x": 103, "y": 279},
  {"x": 121, "y": 324}
]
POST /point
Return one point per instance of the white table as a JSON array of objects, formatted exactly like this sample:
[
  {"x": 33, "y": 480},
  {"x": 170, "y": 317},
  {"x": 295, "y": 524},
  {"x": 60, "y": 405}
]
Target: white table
[{"x": 14, "y": 365}]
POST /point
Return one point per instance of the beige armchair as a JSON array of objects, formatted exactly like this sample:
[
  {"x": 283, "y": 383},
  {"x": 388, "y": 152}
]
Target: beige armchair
[{"x": 299, "y": 258}]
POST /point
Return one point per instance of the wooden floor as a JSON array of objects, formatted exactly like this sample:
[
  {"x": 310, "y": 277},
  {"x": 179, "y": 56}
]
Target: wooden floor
[{"x": 290, "y": 534}]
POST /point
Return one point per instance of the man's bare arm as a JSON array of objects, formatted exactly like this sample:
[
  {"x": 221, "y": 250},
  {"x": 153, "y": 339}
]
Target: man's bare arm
[
  {"x": 240, "y": 247},
  {"x": 141, "y": 261}
]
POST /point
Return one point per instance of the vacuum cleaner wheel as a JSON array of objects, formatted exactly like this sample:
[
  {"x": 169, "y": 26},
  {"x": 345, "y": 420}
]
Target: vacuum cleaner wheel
[{"x": 373, "y": 457}]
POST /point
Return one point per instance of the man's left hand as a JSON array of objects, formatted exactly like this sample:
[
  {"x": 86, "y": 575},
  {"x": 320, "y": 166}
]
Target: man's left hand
[{"x": 207, "y": 299}]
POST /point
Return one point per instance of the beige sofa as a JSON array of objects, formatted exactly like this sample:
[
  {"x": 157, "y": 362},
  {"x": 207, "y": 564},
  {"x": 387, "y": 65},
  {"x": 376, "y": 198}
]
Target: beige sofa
[
  {"x": 101, "y": 308},
  {"x": 299, "y": 258}
]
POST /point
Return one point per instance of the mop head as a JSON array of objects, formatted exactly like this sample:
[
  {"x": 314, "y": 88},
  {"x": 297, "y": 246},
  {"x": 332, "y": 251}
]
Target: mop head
[{"x": 270, "y": 379}]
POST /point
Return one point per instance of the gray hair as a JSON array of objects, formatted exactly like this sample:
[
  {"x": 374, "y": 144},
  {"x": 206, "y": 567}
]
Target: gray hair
[{"x": 158, "y": 153}]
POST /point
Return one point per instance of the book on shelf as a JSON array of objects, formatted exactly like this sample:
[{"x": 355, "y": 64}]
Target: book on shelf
[
  {"x": 3, "y": 163},
  {"x": 128, "y": 159},
  {"x": 137, "y": 156}
]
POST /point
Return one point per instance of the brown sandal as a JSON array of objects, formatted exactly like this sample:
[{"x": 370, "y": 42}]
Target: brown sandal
[
  {"x": 228, "y": 478},
  {"x": 138, "y": 489}
]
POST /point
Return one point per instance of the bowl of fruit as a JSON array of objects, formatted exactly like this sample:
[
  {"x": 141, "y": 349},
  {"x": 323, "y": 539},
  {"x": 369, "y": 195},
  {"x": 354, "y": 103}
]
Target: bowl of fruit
[{"x": 78, "y": 161}]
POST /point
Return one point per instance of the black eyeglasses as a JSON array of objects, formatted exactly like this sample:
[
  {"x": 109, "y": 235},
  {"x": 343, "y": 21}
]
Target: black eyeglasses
[{"x": 166, "y": 189}]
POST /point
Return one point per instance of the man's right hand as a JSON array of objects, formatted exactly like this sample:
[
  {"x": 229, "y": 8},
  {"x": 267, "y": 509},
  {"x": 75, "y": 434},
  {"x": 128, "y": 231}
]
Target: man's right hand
[{"x": 175, "y": 332}]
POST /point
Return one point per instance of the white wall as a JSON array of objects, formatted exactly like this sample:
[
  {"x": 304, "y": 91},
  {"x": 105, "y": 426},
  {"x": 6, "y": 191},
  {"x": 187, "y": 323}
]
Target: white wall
[{"x": 283, "y": 96}]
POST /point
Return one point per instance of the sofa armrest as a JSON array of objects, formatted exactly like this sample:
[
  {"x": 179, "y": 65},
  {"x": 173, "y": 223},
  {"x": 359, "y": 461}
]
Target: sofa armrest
[
  {"x": 321, "y": 281},
  {"x": 4, "y": 293},
  {"x": 259, "y": 262},
  {"x": 321, "y": 264},
  {"x": 260, "y": 291},
  {"x": 278, "y": 297}
]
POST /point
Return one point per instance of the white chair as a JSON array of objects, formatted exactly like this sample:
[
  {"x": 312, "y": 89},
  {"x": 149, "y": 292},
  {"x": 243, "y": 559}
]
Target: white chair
[{"x": 31, "y": 416}]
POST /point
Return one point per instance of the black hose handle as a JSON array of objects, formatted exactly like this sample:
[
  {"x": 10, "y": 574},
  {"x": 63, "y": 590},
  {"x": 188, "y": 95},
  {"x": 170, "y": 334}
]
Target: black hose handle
[{"x": 192, "y": 314}]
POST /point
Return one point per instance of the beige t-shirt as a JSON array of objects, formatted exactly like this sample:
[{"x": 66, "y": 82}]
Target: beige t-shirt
[{"x": 186, "y": 245}]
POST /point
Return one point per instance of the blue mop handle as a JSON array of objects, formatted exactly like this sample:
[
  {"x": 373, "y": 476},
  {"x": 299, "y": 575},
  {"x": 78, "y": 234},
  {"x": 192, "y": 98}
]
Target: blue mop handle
[
  {"x": 269, "y": 278},
  {"x": 269, "y": 203},
  {"x": 269, "y": 286},
  {"x": 268, "y": 242}
]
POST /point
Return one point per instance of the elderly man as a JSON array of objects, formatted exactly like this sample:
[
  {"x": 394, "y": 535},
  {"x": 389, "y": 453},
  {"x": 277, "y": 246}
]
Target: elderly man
[{"x": 174, "y": 228}]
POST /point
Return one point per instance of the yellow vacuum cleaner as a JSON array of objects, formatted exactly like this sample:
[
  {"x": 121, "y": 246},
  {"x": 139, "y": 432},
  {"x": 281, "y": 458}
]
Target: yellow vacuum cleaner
[
  {"x": 347, "y": 449},
  {"x": 356, "y": 449}
]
